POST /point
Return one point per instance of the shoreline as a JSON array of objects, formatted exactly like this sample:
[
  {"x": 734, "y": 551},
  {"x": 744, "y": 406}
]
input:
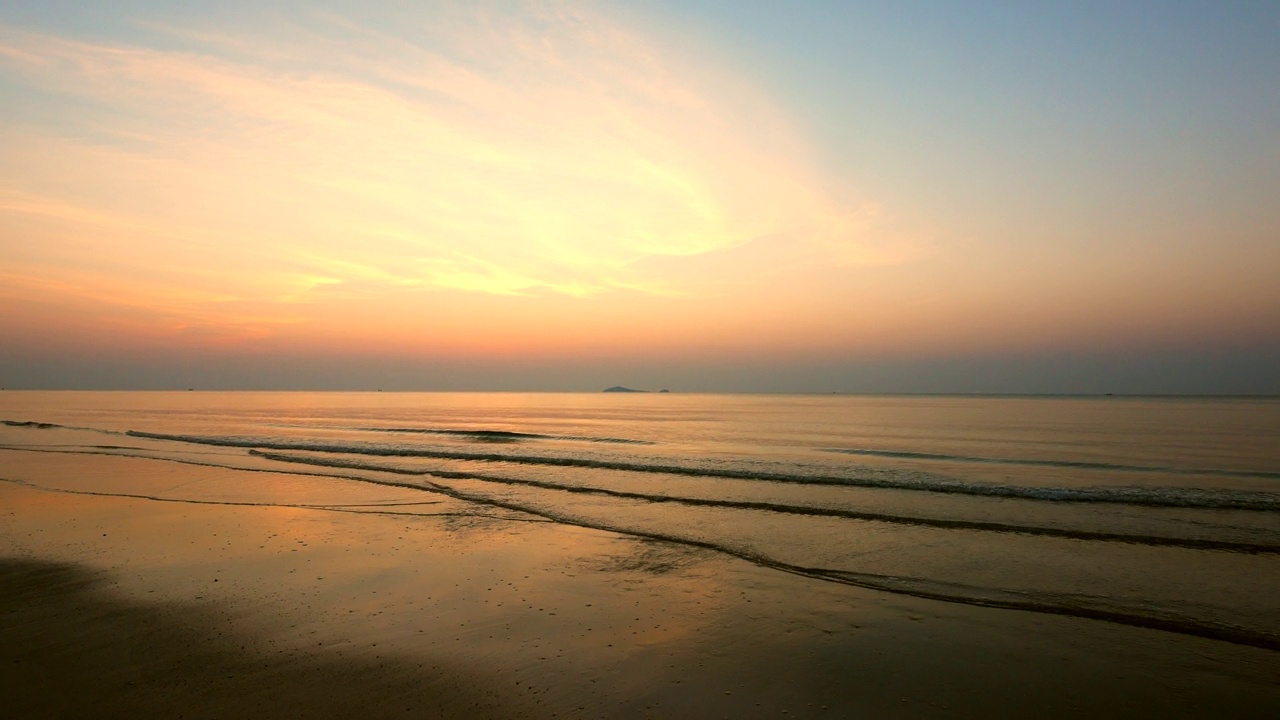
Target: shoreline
[{"x": 129, "y": 606}]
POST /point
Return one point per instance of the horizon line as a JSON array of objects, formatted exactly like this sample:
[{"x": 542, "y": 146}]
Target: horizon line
[{"x": 819, "y": 393}]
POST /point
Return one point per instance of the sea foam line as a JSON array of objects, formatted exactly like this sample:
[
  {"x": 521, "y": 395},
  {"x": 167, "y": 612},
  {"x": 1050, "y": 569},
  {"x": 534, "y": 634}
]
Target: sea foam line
[
  {"x": 808, "y": 510},
  {"x": 915, "y": 587},
  {"x": 1151, "y": 497},
  {"x": 1075, "y": 464}
]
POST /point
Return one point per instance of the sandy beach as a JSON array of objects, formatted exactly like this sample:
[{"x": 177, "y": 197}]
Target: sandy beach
[
  {"x": 353, "y": 600},
  {"x": 562, "y": 359}
]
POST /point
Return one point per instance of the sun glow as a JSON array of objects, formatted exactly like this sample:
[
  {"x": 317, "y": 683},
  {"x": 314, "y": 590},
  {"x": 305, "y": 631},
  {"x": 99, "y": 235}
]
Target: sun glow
[
  {"x": 553, "y": 182},
  {"x": 255, "y": 179}
]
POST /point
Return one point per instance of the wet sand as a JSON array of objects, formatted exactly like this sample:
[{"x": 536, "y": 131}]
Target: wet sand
[{"x": 356, "y": 605}]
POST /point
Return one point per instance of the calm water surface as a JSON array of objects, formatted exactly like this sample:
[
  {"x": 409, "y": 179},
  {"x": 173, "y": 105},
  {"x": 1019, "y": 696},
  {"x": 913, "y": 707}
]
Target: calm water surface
[{"x": 1157, "y": 512}]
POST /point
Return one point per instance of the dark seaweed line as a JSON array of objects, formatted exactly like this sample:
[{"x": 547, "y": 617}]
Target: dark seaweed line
[
  {"x": 809, "y": 510},
  {"x": 1213, "y": 631},
  {"x": 956, "y": 488},
  {"x": 1075, "y": 464}
]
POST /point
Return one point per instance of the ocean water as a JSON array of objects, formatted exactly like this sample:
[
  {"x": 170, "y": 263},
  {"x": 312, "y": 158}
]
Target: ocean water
[{"x": 1154, "y": 512}]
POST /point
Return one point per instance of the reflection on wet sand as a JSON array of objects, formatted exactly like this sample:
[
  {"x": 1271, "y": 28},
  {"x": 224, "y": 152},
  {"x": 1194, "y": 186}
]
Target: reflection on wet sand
[{"x": 129, "y": 606}]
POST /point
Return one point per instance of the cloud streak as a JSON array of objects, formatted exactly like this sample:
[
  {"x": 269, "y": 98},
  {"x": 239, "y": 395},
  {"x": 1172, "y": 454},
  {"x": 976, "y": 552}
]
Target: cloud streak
[{"x": 549, "y": 151}]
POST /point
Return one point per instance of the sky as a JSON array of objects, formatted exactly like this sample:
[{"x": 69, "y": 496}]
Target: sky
[{"x": 739, "y": 196}]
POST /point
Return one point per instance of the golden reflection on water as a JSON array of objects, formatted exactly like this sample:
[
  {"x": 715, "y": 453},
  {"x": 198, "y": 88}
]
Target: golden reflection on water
[
  {"x": 569, "y": 617},
  {"x": 392, "y": 577}
]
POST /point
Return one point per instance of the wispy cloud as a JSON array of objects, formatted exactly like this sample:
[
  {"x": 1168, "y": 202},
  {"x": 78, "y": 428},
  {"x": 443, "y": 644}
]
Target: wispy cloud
[{"x": 547, "y": 151}]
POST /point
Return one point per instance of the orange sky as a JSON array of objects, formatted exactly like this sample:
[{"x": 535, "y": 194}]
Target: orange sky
[{"x": 547, "y": 181}]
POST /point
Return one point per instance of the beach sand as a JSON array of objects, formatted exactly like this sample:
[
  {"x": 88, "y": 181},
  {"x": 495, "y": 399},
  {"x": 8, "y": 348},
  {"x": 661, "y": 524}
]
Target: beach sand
[{"x": 337, "y": 599}]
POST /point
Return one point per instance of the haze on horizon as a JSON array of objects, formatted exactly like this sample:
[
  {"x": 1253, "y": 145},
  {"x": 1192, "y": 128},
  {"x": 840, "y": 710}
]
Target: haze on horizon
[{"x": 711, "y": 196}]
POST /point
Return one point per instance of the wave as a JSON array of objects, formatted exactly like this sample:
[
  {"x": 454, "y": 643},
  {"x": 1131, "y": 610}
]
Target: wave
[
  {"x": 873, "y": 477},
  {"x": 500, "y": 436},
  {"x": 358, "y": 509},
  {"x": 1086, "y": 607},
  {"x": 55, "y": 426},
  {"x": 1091, "y": 608},
  {"x": 1075, "y": 464},
  {"x": 1081, "y": 606},
  {"x": 810, "y": 510}
]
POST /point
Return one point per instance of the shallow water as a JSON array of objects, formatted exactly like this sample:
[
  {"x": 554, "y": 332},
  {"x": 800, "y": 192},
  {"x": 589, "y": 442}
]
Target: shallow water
[{"x": 1156, "y": 512}]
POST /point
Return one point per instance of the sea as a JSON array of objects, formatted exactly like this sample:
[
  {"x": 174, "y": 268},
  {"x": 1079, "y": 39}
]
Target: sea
[{"x": 1156, "y": 512}]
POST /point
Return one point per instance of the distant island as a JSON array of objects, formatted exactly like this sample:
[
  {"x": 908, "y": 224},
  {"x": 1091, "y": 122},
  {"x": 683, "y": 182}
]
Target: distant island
[{"x": 621, "y": 389}]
